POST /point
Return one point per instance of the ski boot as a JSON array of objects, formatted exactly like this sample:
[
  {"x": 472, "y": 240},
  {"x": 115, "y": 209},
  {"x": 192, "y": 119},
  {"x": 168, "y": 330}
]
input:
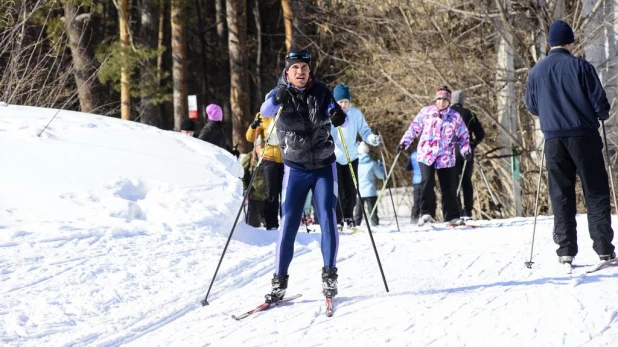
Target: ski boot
[
  {"x": 280, "y": 284},
  {"x": 606, "y": 257},
  {"x": 455, "y": 222},
  {"x": 425, "y": 219},
  {"x": 329, "y": 282}
]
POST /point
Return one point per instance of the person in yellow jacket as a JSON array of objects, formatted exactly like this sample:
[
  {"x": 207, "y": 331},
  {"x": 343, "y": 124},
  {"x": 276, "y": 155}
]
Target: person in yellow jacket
[{"x": 272, "y": 167}]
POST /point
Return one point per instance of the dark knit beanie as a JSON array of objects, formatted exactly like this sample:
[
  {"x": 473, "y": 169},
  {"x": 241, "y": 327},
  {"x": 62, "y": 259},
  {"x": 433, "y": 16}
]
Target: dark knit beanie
[
  {"x": 187, "y": 125},
  {"x": 341, "y": 91},
  {"x": 297, "y": 56},
  {"x": 560, "y": 34}
]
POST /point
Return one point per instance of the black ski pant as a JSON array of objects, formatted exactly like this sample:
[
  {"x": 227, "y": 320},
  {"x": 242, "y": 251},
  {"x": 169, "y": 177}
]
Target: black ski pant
[
  {"x": 565, "y": 157},
  {"x": 416, "y": 203},
  {"x": 370, "y": 201},
  {"x": 467, "y": 189},
  {"x": 448, "y": 184},
  {"x": 346, "y": 190},
  {"x": 255, "y": 213},
  {"x": 273, "y": 176}
]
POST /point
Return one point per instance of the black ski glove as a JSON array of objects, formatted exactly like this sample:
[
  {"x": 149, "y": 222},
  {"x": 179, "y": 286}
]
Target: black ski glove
[
  {"x": 283, "y": 95},
  {"x": 468, "y": 156},
  {"x": 337, "y": 117},
  {"x": 256, "y": 122},
  {"x": 400, "y": 147}
]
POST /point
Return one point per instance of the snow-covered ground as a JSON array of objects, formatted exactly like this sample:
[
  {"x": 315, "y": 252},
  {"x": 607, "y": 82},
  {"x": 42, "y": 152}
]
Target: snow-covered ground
[{"x": 110, "y": 232}]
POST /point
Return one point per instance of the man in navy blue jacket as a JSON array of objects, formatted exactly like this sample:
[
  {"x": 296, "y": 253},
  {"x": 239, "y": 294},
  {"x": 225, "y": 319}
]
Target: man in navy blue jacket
[{"x": 566, "y": 94}]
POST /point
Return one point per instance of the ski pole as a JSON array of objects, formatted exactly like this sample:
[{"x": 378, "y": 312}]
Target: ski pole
[
  {"x": 536, "y": 205},
  {"x": 389, "y": 188},
  {"x": 461, "y": 178},
  {"x": 491, "y": 194},
  {"x": 205, "y": 301},
  {"x": 390, "y": 172},
  {"x": 347, "y": 155},
  {"x": 609, "y": 166}
]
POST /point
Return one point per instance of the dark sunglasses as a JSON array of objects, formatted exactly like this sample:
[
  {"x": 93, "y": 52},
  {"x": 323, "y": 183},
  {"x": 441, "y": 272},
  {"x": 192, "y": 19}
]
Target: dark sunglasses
[
  {"x": 441, "y": 99},
  {"x": 304, "y": 55}
]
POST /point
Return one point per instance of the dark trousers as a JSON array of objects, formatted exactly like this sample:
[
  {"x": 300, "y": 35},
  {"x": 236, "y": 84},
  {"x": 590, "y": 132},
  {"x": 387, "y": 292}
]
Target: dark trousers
[
  {"x": 273, "y": 176},
  {"x": 564, "y": 158},
  {"x": 466, "y": 186},
  {"x": 347, "y": 190},
  {"x": 255, "y": 213},
  {"x": 416, "y": 203},
  {"x": 370, "y": 201},
  {"x": 448, "y": 184}
]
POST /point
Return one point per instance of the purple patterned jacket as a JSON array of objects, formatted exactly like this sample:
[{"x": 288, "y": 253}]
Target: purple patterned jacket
[{"x": 438, "y": 131}]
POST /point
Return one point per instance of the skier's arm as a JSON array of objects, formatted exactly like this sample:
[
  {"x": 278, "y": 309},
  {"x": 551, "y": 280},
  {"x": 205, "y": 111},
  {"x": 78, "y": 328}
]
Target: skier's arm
[
  {"x": 269, "y": 108},
  {"x": 414, "y": 130},
  {"x": 477, "y": 130}
]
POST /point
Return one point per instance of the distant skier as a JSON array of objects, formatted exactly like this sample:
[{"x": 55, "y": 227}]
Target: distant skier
[
  {"x": 438, "y": 127},
  {"x": 368, "y": 171}
]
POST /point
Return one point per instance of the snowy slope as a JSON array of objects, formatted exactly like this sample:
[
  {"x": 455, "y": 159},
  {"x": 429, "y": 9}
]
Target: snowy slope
[{"x": 110, "y": 232}]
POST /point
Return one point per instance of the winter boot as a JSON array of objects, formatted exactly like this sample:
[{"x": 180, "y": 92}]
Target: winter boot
[
  {"x": 565, "y": 259},
  {"x": 606, "y": 257},
  {"x": 329, "y": 282},
  {"x": 425, "y": 219},
  {"x": 280, "y": 284},
  {"x": 350, "y": 223}
]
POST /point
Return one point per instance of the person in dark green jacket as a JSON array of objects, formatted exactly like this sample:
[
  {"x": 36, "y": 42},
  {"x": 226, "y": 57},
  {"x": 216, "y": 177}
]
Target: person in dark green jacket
[{"x": 255, "y": 203}]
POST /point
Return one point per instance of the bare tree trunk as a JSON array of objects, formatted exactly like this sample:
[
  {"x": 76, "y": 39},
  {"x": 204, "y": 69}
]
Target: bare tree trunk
[
  {"x": 258, "y": 58},
  {"x": 506, "y": 98},
  {"x": 286, "y": 7},
  {"x": 79, "y": 35},
  {"x": 125, "y": 91},
  {"x": 160, "y": 38},
  {"x": 239, "y": 82},
  {"x": 149, "y": 112},
  {"x": 223, "y": 77},
  {"x": 298, "y": 19},
  {"x": 179, "y": 57}
]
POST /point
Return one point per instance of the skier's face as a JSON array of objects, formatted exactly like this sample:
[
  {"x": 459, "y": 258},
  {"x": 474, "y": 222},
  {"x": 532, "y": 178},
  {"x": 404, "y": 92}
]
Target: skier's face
[
  {"x": 344, "y": 103},
  {"x": 442, "y": 103},
  {"x": 298, "y": 74}
]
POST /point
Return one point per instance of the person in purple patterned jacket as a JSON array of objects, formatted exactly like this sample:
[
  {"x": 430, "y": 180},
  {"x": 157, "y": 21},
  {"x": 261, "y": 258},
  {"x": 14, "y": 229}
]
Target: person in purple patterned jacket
[{"x": 439, "y": 127}]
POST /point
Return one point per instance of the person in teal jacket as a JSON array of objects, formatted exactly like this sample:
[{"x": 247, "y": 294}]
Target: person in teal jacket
[
  {"x": 368, "y": 171},
  {"x": 354, "y": 125}
]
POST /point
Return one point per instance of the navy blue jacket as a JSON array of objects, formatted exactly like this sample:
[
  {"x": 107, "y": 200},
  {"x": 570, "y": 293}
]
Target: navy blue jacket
[{"x": 566, "y": 94}]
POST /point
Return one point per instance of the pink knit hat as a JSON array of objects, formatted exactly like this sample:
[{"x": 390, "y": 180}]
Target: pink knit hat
[
  {"x": 443, "y": 93},
  {"x": 214, "y": 112}
]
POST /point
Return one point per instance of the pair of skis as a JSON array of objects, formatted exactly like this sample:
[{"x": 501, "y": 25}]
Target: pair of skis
[
  {"x": 600, "y": 266},
  {"x": 266, "y": 305}
]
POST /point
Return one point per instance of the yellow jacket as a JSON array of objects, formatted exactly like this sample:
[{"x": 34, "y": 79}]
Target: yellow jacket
[{"x": 272, "y": 152}]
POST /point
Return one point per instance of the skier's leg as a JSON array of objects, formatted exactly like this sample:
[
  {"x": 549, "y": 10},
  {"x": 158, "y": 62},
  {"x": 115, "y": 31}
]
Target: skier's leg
[
  {"x": 428, "y": 196},
  {"x": 448, "y": 185},
  {"x": 296, "y": 184},
  {"x": 325, "y": 199},
  {"x": 587, "y": 153},
  {"x": 561, "y": 183}
]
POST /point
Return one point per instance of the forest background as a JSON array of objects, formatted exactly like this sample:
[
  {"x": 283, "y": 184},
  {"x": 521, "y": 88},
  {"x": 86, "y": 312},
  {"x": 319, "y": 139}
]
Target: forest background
[{"x": 140, "y": 59}]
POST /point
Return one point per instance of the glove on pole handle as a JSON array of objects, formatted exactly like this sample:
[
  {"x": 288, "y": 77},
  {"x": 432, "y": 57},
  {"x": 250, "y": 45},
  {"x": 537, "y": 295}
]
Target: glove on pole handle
[
  {"x": 536, "y": 205},
  {"x": 390, "y": 172},
  {"x": 609, "y": 166},
  {"x": 389, "y": 188},
  {"x": 347, "y": 155},
  {"x": 205, "y": 301}
]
